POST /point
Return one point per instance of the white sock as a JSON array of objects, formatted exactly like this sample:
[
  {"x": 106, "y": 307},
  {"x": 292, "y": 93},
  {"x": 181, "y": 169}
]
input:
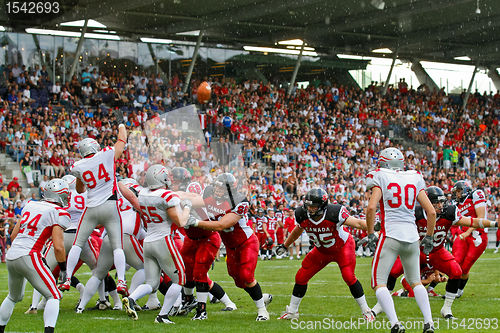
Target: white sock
[
  {"x": 6, "y": 310},
  {"x": 116, "y": 298},
  {"x": 172, "y": 293},
  {"x": 102, "y": 291},
  {"x": 460, "y": 292},
  {"x": 89, "y": 292},
  {"x": 260, "y": 303},
  {"x": 51, "y": 313},
  {"x": 141, "y": 291},
  {"x": 202, "y": 297},
  {"x": 137, "y": 279},
  {"x": 294, "y": 304},
  {"x": 72, "y": 261},
  {"x": 362, "y": 303},
  {"x": 226, "y": 300},
  {"x": 448, "y": 300},
  {"x": 35, "y": 299},
  {"x": 153, "y": 299},
  {"x": 119, "y": 260},
  {"x": 188, "y": 291},
  {"x": 423, "y": 302},
  {"x": 377, "y": 308},
  {"x": 387, "y": 304},
  {"x": 81, "y": 288}
]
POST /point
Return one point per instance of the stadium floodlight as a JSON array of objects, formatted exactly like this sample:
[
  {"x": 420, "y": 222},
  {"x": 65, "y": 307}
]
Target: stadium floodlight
[
  {"x": 156, "y": 40},
  {"x": 297, "y": 42},
  {"x": 189, "y": 33},
  {"x": 2, "y": 28},
  {"x": 75, "y": 34},
  {"x": 90, "y": 24},
  {"x": 382, "y": 50},
  {"x": 466, "y": 58},
  {"x": 277, "y": 50},
  {"x": 101, "y": 36}
]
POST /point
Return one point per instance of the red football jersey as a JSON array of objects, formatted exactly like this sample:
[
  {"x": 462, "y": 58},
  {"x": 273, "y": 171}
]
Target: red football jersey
[
  {"x": 468, "y": 206},
  {"x": 272, "y": 224},
  {"x": 444, "y": 222},
  {"x": 259, "y": 224}
]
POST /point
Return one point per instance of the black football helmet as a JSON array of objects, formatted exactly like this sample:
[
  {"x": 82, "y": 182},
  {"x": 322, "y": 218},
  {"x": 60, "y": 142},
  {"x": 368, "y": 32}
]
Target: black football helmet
[
  {"x": 181, "y": 177},
  {"x": 435, "y": 194},
  {"x": 461, "y": 190},
  {"x": 260, "y": 212},
  {"x": 225, "y": 183},
  {"x": 317, "y": 197}
]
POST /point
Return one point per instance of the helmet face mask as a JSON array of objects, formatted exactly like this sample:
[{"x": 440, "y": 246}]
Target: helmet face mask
[
  {"x": 224, "y": 183},
  {"x": 437, "y": 198},
  {"x": 461, "y": 190},
  {"x": 180, "y": 178},
  {"x": 316, "y": 202}
]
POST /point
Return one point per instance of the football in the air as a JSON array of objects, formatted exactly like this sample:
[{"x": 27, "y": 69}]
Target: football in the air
[{"x": 204, "y": 92}]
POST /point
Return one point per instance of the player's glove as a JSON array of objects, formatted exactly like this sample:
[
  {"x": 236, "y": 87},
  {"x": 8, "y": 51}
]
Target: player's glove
[
  {"x": 119, "y": 116},
  {"x": 191, "y": 222},
  {"x": 427, "y": 244},
  {"x": 62, "y": 272},
  {"x": 186, "y": 203},
  {"x": 372, "y": 242},
  {"x": 281, "y": 250}
]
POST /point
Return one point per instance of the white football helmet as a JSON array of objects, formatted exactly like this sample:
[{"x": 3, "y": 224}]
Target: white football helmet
[
  {"x": 129, "y": 182},
  {"x": 391, "y": 158},
  {"x": 88, "y": 146},
  {"x": 71, "y": 180},
  {"x": 57, "y": 191},
  {"x": 158, "y": 176}
]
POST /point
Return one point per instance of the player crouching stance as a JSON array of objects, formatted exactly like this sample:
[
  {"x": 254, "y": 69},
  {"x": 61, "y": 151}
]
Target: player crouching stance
[
  {"x": 160, "y": 209},
  {"x": 228, "y": 211},
  {"x": 41, "y": 220},
  {"x": 324, "y": 224}
]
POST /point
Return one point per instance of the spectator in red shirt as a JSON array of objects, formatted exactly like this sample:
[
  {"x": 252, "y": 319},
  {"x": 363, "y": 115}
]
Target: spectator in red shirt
[
  {"x": 13, "y": 186},
  {"x": 289, "y": 226},
  {"x": 57, "y": 163}
]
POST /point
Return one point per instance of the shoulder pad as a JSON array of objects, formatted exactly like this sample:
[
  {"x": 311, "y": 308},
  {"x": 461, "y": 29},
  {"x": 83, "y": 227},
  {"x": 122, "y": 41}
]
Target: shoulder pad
[
  {"x": 300, "y": 215},
  {"x": 332, "y": 212},
  {"x": 450, "y": 213}
]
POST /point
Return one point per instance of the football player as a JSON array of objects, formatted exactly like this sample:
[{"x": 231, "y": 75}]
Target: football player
[
  {"x": 260, "y": 227},
  {"x": 470, "y": 243},
  {"x": 40, "y": 221},
  {"x": 397, "y": 191},
  {"x": 272, "y": 225},
  {"x": 280, "y": 231},
  {"x": 160, "y": 208},
  {"x": 324, "y": 224},
  {"x": 227, "y": 213},
  {"x": 96, "y": 173}
]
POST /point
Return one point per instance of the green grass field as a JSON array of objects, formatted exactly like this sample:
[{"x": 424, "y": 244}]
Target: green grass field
[{"x": 327, "y": 301}]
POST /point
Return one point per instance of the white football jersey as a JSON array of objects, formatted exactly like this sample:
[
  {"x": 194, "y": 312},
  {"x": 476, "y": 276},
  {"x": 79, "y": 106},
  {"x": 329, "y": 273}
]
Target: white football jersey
[
  {"x": 76, "y": 207},
  {"x": 38, "y": 218},
  {"x": 98, "y": 175},
  {"x": 399, "y": 197},
  {"x": 154, "y": 205},
  {"x": 131, "y": 220}
]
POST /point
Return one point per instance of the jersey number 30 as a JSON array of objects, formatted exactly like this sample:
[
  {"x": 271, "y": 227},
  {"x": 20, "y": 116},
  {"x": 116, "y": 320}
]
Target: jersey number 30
[{"x": 397, "y": 200}]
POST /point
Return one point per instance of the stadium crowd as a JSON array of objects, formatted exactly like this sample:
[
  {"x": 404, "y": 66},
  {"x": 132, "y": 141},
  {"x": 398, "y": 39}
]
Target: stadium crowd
[{"x": 325, "y": 135}]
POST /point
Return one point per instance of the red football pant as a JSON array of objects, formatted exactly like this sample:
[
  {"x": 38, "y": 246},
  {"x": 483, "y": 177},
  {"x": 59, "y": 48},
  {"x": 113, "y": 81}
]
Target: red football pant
[
  {"x": 271, "y": 235},
  {"x": 498, "y": 235},
  {"x": 262, "y": 240},
  {"x": 466, "y": 253},
  {"x": 241, "y": 262},
  {"x": 280, "y": 236},
  {"x": 198, "y": 256},
  {"x": 316, "y": 260},
  {"x": 442, "y": 260}
]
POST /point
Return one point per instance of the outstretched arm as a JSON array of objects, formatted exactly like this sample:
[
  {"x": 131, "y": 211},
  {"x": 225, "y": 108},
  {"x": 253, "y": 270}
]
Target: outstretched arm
[
  {"x": 227, "y": 221},
  {"x": 293, "y": 236},
  {"x": 121, "y": 141},
  {"x": 355, "y": 223}
]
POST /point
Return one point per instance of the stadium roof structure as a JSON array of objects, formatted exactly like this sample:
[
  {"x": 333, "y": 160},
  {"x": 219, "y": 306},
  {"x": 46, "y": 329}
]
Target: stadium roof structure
[{"x": 432, "y": 30}]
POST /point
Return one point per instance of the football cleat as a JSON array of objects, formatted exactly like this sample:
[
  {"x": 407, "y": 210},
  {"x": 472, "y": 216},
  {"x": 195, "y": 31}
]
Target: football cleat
[
  {"x": 428, "y": 328},
  {"x": 121, "y": 288},
  {"x": 262, "y": 315},
  {"x": 118, "y": 307},
  {"x": 129, "y": 306},
  {"x": 230, "y": 307},
  {"x": 187, "y": 307},
  {"x": 173, "y": 311},
  {"x": 201, "y": 314},
  {"x": 400, "y": 293},
  {"x": 147, "y": 307},
  {"x": 432, "y": 293},
  {"x": 398, "y": 328},
  {"x": 288, "y": 315},
  {"x": 79, "y": 310},
  {"x": 31, "y": 310},
  {"x": 101, "y": 305},
  {"x": 268, "y": 298},
  {"x": 447, "y": 314},
  {"x": 163, "y": 320},
  {"x": 66, "y": 285},
  {"x": 369, "y": 315}
]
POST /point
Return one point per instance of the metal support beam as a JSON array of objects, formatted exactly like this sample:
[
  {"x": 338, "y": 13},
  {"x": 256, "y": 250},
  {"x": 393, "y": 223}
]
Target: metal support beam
[
  {"x": 296, "y": 70},
  {"x": 78, "y": 49},
  {"x": 42, "y": 57},
  {"x": 193, "y": 60},
  {"x": 469, "y": 88},
  {"x": 422, "y": 75},
  {"x": 386, "y": 85},
  {"x": 153, "y": 56}
]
